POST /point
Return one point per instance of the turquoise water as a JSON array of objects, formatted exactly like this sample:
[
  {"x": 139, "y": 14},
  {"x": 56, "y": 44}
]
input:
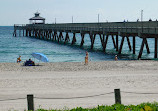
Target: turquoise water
[{"x": 11, "y": 47}]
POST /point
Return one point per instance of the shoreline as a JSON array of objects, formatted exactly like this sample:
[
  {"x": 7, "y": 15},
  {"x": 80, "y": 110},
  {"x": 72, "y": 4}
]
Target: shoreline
[
  {"x": 80, "y": 66},
  {"x": 63, "y": 80}
]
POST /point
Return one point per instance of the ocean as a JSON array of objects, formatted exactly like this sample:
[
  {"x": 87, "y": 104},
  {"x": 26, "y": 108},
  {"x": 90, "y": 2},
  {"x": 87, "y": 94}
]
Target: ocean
[{"x": 11, "y": 47}]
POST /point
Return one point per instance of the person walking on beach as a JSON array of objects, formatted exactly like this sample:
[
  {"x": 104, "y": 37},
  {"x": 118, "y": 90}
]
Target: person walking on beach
[
  {"x": 19, "y": 59},
  {"x": 116, "y": 58},
  {"x": 86, "y": 58}
]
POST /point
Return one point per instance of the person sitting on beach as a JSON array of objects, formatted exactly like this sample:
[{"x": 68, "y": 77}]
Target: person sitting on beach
[
  {"x": 19, "y": 59},
  {"x": 29, "y": 63}
]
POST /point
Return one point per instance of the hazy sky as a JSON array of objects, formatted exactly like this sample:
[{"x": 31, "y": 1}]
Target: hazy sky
[{"x": 19, "y": 11}]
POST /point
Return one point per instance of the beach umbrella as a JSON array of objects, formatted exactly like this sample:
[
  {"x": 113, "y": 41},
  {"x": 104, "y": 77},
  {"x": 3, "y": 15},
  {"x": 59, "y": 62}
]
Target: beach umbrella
[{"x": 40, "y": 57}]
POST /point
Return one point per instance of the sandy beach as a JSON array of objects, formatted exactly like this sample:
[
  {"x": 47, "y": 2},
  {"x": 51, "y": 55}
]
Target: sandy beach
[{"x": 74, "y": 79}]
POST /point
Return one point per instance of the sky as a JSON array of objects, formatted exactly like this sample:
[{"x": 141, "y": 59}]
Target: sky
[{"x": 19, "y": 11}]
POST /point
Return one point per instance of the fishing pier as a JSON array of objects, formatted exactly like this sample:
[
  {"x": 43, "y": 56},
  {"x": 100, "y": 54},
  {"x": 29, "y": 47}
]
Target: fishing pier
[{"x": 113, "y": 30}]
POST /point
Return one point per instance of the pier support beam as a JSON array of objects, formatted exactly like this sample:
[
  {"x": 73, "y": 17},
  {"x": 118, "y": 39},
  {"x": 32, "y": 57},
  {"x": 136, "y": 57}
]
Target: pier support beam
[
  {"x": 113, "y": 40},
  {"x": 156, "y": 44},
  {"x": 129, "y": 44},
  {"x": 33, "y": 32},
  {"x": 134, "y": 42},
  {"x": 74, "y": 38},
  {"x": 42, "y": 33},
  {"x": 39, "y": 34},
  {"x": 36, "y": 33},
  {"x": 14, "y": 34},
  {"x": 50, "y": 34},
  {"x": 122, "y": 41},
  {"x": 19, "y": 33},
  {"x": 23, "y": 32},
  {"x": 46, "y": 34},
  {"x": 26, "y": 33},
  {"x": 82, "y": 39},
  {"x": 142, "y": 46},
  {"x": 55, "y": 36},
  {"x": 60, "y": 36},
  {"x": 102, "y": 41},
  {"x": 106, "y": 41},
  {"x": 66, "y": 38},
  {"x": 147, "y": 46},
  {"x": 141, "y": 49},
  {"x": 92, "y": 37},
  {"x": 29, "y": 33},
  {"x": 117, "y": 48}
]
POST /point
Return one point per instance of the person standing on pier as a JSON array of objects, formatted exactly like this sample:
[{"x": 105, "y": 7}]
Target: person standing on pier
[{"x": 86, "y": 58}]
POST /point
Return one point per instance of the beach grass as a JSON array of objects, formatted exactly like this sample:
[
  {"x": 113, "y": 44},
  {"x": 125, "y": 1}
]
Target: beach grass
[{"x": 115, "y": 107}]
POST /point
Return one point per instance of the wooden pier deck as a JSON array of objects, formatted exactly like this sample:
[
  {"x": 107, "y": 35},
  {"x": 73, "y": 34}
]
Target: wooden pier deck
[{"x": 143, "y": 30}]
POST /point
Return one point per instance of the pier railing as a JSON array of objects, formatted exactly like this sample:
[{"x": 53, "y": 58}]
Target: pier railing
[{"x": 118, "y": 27}]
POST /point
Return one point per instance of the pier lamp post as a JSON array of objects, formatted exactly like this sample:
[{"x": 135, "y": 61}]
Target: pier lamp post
[
  {"x": 72, "y": 19},
  {"x": 98, "y": 18},
  {"x": 142, "y": 19},
  {"x": 141, "y": 15}
]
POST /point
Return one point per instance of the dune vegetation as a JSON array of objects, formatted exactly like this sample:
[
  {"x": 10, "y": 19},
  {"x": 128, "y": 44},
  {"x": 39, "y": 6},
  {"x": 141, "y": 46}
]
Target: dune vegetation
[{"x": 115, "y": 107}]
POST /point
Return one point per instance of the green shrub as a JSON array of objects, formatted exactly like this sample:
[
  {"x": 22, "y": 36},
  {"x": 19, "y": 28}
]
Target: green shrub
[{"x": 116, "y": 107}]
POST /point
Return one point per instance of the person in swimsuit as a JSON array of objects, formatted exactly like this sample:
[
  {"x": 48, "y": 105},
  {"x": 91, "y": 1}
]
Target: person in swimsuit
[
  {"x": 86, "y": 59},
  {"x": 116, "y": 58},
  {"x": 19, "y": 59}
]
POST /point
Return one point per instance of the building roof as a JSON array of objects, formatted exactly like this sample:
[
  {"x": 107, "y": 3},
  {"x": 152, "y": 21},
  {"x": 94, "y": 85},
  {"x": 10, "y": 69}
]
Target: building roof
[
  {"x": 37, "y": 17},
  {"x": 37, "y": 13}
]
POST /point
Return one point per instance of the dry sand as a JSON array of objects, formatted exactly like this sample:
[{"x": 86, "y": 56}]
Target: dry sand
[{"x": 67, "y": 80}]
